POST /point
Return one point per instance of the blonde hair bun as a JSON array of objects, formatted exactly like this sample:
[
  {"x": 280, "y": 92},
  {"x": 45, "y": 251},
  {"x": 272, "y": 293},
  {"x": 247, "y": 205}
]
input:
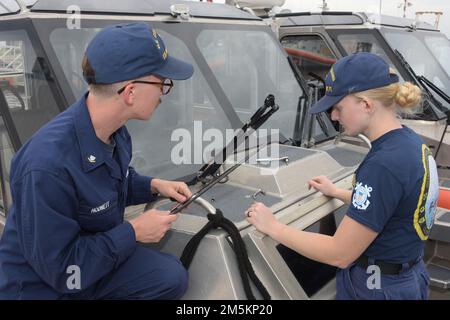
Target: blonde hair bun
[{"x": 408, "y": 95}]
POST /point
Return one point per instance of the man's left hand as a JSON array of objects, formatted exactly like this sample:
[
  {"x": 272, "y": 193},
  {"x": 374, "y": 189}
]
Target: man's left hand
[{"x": 171, "y": 189}]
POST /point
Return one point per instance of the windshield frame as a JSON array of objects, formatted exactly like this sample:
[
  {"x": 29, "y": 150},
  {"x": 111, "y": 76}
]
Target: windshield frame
[
  {"x": 433, "y": 113},
  {"x": 335, "y": 33}
]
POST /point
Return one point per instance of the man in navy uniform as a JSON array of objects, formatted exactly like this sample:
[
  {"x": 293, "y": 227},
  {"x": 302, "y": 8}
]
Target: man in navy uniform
[{"x": 71, "y": 182}]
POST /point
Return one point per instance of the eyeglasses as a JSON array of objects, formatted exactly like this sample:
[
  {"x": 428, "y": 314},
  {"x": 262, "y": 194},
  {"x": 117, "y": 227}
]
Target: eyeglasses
[{"x": 166, "y": 85}]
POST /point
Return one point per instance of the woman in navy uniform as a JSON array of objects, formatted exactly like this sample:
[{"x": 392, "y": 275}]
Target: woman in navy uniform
[{"x": 379, "y": 244}]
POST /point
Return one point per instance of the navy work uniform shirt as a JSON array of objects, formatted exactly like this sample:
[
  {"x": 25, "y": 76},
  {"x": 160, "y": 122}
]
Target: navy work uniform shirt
[
  {"x": 395, "y": 194},
  {"x": 69, "y": 196}
]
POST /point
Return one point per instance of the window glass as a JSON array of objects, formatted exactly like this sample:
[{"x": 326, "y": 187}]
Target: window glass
[
  {"x": 310, "y": 53},
  {"x": 25, "y": 82}
]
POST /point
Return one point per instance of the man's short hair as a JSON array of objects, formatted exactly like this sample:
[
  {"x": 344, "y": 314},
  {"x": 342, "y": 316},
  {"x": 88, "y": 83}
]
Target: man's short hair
[{"x": 105, "y": 90}]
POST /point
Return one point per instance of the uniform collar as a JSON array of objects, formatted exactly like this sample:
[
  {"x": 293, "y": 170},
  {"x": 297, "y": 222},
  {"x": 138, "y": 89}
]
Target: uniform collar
[
  {"x": 387, "y": 135},
  {"x": 93, "y": 153}
]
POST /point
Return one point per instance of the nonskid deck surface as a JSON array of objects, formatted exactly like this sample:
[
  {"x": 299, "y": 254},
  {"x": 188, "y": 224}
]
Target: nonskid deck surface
[{"x": 231, "y": 200}]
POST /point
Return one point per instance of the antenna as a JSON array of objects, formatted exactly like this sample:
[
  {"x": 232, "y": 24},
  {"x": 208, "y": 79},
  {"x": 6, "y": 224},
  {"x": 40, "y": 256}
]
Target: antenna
[
  {"x": 324, "y": 6},
  {"x": 405, "y": 4}
]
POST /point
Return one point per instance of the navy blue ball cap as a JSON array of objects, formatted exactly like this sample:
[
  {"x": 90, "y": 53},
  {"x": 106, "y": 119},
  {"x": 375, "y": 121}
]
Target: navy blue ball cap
[
  {"x": 351, "y": 74},
  {"x": 130, "y": 51}
]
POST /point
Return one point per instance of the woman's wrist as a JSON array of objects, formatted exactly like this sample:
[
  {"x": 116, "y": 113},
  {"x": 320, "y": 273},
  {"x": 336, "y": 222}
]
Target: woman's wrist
[
  {"x": 276, "y": 230},
  {"x": 343, "y": 195}
]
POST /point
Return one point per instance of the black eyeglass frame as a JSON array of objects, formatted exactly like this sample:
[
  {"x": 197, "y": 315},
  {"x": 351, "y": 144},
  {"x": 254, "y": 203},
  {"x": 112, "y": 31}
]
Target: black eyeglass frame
[{"x": 163, "y": 84}]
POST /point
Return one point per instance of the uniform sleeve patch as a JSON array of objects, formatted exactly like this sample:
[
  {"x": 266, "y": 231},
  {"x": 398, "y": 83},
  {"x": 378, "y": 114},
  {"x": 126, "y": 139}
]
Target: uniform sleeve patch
[{"x": 361, "y": 196}]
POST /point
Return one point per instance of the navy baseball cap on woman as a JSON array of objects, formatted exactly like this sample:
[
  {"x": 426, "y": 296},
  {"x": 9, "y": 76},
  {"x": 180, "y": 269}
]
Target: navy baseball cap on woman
[
  {"x": 354, "y": 73},
  {"x": 130, "y": 51}
]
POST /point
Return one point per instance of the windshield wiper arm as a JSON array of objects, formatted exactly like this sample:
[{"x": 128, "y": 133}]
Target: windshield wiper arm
[
  {"x": 424, "y": 82},
  {"x": 257, "y": 120},
  {"x": 433, "y": 87},
  {"x": 216, "y": 179}
]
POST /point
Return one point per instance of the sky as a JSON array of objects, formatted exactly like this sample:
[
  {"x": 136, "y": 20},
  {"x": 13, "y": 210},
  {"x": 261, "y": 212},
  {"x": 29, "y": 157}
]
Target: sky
[{"x": 388, "y": 7}]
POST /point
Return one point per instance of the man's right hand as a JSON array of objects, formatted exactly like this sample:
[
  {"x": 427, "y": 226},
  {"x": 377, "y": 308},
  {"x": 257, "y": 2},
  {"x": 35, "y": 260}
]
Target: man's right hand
[{"x": 152, "y": 225}]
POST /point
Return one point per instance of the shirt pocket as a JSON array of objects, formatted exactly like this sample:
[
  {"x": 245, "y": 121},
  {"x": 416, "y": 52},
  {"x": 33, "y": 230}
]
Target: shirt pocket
[{"x": 100, "y": 218}]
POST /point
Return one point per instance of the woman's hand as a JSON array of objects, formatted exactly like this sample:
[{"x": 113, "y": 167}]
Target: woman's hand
[
  {"x": 262, "y": 218},
  {"x": 324, "y": 185}
]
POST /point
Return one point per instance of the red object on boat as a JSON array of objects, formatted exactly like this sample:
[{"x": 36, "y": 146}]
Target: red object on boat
[
  {"x": 444, "y": 198},
  {"x": 310, "y": 56}
]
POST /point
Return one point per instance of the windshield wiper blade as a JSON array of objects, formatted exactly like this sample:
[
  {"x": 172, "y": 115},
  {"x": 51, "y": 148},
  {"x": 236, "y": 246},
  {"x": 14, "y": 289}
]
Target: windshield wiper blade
[
  {"x": 411, "y": 71},
  {"x": 256, "y": 120},
  {"x": 433, "y": 87}
]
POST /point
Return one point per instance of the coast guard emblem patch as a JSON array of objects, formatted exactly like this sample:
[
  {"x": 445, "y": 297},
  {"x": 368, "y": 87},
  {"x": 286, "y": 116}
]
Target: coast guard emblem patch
[{"x": 361, "y": 196}]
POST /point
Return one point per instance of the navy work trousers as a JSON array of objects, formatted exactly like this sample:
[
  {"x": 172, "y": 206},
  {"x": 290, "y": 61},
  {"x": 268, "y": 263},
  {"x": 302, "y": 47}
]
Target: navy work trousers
[
  {"x": 410, "y": 284},
  {"x": 147, "y": 274}
]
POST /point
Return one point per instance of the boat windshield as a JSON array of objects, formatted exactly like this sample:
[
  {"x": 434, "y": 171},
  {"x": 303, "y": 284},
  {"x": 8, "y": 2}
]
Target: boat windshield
[
  {"x": 439, "y": 46},
  {"x": 236, "y": 67}
]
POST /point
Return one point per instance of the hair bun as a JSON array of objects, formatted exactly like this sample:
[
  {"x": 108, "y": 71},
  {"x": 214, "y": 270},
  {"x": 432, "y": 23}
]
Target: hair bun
[{"x": 408, "y": 95}]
